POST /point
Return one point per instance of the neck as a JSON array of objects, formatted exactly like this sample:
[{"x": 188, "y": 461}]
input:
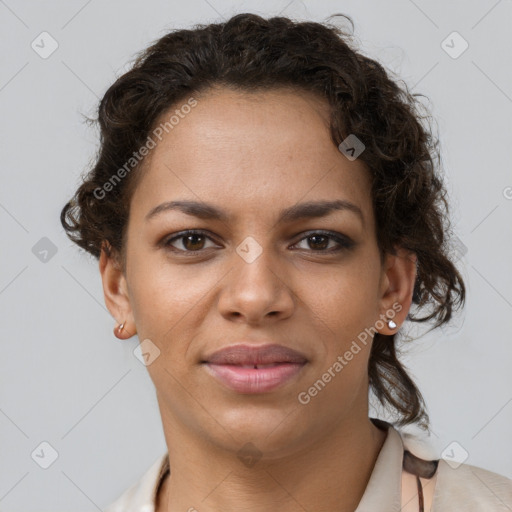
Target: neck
[{"x": 330, "y": 474}]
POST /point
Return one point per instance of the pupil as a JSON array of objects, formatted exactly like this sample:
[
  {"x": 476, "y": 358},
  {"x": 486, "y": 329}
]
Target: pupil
[
  {"x": 188, "y": 238},
  {"x": 323, "y": 245}
]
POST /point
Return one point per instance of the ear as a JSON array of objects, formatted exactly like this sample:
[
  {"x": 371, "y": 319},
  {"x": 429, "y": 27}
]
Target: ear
[
  {"x": 397, "y": 287},
  {"x": 115, "y": 291}
]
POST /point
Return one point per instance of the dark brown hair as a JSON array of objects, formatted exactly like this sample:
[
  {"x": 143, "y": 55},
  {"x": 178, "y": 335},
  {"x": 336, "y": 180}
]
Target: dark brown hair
[{"x": 250, "y": 53}]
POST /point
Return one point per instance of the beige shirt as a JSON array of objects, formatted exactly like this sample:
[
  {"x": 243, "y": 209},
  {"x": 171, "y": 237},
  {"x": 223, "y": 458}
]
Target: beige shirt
[{"x": 392, "y": 486}]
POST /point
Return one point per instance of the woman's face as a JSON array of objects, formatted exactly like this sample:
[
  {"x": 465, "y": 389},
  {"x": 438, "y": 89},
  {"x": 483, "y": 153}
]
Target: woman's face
[{"x": 253, "y": 276}]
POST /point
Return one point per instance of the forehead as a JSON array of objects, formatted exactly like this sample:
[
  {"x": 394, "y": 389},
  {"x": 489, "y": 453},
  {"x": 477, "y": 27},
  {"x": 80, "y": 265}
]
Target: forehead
[{"x": 246, "y": 150}]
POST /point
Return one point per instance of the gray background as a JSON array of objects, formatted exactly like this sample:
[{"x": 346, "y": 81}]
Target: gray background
[{"x": 66, "y": 380}]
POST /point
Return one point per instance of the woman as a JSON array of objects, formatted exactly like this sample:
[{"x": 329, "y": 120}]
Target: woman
[{"x": 266, "y": 209}]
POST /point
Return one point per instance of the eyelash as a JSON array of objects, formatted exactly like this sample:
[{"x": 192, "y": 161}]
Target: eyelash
[{"x": 344, "y": 242}]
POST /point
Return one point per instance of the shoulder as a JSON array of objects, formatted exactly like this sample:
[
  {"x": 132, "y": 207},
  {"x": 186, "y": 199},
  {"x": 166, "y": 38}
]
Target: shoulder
[
  {"x": 474, "y": 488},
  {"x": 140, "y": 496},
  {"x": 449, "y": 485}
]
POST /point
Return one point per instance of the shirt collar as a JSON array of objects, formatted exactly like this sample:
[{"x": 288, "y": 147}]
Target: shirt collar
[{"x": 384, "y": 489}]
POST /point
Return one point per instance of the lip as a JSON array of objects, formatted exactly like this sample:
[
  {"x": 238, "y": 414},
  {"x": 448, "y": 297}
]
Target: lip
[{"x": 240, "y": 366}]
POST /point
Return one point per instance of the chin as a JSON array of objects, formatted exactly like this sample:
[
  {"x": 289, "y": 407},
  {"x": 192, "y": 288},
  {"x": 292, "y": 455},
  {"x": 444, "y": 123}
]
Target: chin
[{"x": 269, "y": 428}]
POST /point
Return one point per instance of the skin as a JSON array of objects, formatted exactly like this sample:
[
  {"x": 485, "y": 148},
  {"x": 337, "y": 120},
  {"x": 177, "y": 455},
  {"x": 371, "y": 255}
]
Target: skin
[{"x": 254, "y": 155}]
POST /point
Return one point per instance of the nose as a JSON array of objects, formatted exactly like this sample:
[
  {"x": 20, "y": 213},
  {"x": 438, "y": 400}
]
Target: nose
[{"x": 256, "y": 291}]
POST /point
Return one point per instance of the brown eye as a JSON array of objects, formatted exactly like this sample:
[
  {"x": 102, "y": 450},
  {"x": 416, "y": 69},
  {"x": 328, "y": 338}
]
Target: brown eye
[
  {"x": 188, "y": 241},
  {"x": 193, "y": 242},
  {"x": 322, "y": 242},
  {"x": 318, "y": 241}
]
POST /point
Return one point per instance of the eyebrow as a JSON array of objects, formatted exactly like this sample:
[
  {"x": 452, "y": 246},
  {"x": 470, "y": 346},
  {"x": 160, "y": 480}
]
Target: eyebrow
[{"x": 308, "y": 210}]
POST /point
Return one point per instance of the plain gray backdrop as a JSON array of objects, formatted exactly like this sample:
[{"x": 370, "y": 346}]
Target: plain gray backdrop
[{"x": 67, "y": 381}]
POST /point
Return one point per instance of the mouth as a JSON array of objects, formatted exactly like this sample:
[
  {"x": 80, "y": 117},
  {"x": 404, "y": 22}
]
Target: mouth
[
  {"x": 251, "y": 370},
  {"x": 256, "y": 378},
  {"x": 258, "y": 366}
]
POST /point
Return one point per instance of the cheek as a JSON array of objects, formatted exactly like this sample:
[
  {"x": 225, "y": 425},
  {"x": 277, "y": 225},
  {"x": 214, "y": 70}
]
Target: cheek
[
  {"x": 346, "y": 302},
  {"x": 342, "y": 312},
  {"x": 162, "y": 295}
]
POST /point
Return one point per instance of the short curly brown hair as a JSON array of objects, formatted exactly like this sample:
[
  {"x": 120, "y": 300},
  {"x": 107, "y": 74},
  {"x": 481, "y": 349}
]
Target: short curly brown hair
[{"x": 250, "y": 53}]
